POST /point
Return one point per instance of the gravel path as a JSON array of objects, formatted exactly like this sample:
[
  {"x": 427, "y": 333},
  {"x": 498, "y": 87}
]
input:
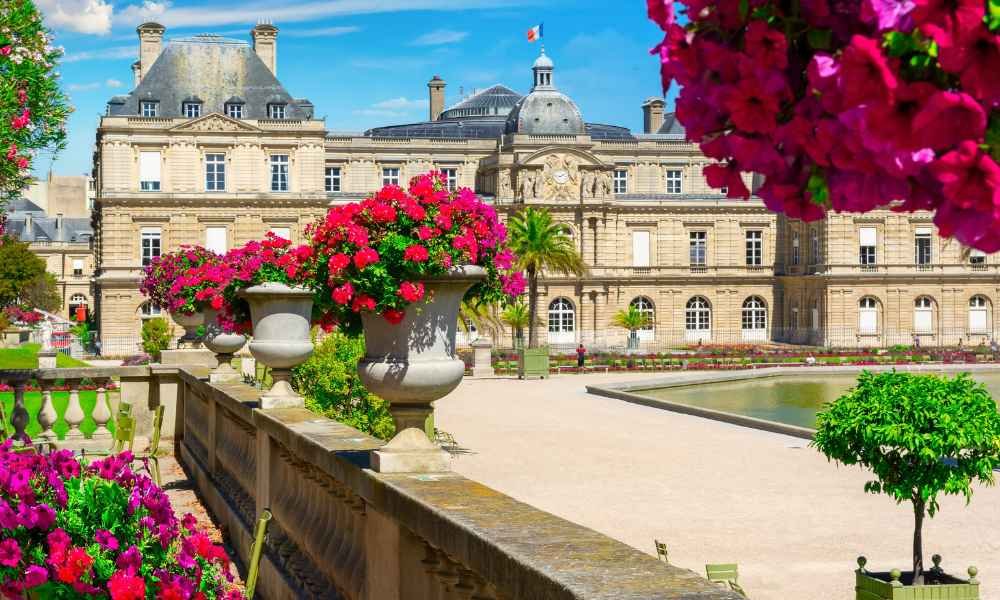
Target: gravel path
[{"x": 713, "y": 492}]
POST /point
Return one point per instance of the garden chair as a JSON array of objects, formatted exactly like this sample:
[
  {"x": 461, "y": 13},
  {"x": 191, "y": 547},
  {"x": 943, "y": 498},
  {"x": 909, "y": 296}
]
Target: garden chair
[
  {"x": 661, "y": 551},
  {"x": 259, "y": 537},
  {"x": 725, "y": 573},
  {"x": 123, "y": 437},
  {"x": 150, "y": 455}
]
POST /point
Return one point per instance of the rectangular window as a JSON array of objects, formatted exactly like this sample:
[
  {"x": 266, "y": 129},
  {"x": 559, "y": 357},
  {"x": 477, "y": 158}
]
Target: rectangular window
[
  {"x": 922, "y": 247},
  {"x": 284, "y": 233},
  {"x": 796, "y": 255},
  {"x": 149, "y": 171},
  {"x": 234, "y": 111},
  {"x": 215, "y": 172},
  {"x": 755, "y": 248},
  {"x": 216, "y": 239},
  {"x": 279, "y": 172},
  {"x": 451, "y": 178},
  {"x": 332, "y": 182},
  {"x": 276, "y": 111},
  {"x": 390, "y": 176},
  {"x": 77, "y": 267},
  {"x": 192, "y": 109},
  {"x": 977, "y": 258},
  {"x": 150, "y": 109},
  {"x": 867, "y": 241},
  {"x": 673, "y": 181},
  {"x": 640, "y": 248},
  {"x": 150, "y": 244},
  {"x": 698, "y": 244},
  {"x": 621, "y": 181},
  {"x": 814, "y": 246}
]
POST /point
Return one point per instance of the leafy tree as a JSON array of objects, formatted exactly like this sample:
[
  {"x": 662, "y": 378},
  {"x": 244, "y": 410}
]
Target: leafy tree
[
  {"x": 32, "y": 108},
  {"x": 156, "y": 336},
  {"x": 19, "y": 267},
  {"x": 516, "y": 316},
  {"x": 42, "y": 293},
  {"x": 631, "y": 319},
  {"x": 329, "y": 380},
  {"x": 920, "y": 435},
  {"x": 541, "y": 245}
]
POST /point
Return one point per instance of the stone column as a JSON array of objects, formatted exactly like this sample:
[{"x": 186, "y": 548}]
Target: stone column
[
  {"x": 47, "y": 359},
  {"x": 482, "y": 357}
]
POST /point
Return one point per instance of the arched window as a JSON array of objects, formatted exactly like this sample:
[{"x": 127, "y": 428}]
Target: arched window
[
  {"x": 76, "y": 302},
  {"x": 923, "y": 315},
  {"x": 698, "y": 315},
  {"x": 754, "y": 314},
  {"x": 979, "y": 314},
  {"x": 562, "y": 322},
  {"x": 645, "y": 306},
  {"x": 868, "y": 315},
  {"x": 149, "y": 310}
]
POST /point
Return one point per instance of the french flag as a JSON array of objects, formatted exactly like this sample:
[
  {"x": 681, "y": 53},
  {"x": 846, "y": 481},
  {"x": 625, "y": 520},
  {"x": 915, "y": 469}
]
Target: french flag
[{"x": 535, "y": 33}]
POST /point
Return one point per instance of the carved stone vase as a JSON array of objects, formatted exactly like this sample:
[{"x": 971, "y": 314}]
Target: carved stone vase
[
  {"x": 281, "y": 318},
  {"x": 190, "y": 324},
  {"x": 412, "y": 364},
  {"x": 224, "y": 345}
]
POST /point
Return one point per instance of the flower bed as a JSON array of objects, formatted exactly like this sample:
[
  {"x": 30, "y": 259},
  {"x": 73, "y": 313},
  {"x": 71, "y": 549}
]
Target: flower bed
[{"x": 102, "y": 530}]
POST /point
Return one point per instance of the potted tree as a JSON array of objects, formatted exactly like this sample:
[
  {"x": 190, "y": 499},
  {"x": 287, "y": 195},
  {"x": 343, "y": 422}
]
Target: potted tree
[
  {"x": 516, "y": 317},
  {"x": 541, "y": 245},
  {"x": 632, "y": 320},
  {"x": 399, "y": 265},
  {"x": 921, "y": 436}
]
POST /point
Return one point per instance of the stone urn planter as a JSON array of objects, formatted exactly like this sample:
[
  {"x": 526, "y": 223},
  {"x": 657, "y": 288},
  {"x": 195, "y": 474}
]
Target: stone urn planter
[
  {"x": 281, "y": 318},
  {"x": 190, "y": 324},
  {"x": 224, "y": 345},
  {"x": 895, "y": 585},
  {"x": 411, "y": 365}
]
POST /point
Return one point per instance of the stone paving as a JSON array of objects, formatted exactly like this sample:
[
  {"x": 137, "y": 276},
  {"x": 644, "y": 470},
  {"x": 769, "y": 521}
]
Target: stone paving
[{"x": 713, "y": 492}]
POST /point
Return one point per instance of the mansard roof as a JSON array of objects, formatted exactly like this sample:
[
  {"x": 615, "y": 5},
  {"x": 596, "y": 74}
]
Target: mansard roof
[
  {"x": 672, "y": 127},
  {"x": 497, "y": 100},
  {"x": 43, "y": 227},
  {"x": 212, "y": 69}
]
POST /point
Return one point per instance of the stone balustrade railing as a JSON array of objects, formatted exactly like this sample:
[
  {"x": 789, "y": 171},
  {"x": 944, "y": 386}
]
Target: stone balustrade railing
[{"x": 341, "y": 530}]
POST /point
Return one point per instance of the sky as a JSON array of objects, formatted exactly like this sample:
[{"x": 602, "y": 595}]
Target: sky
[{"x": 365, "y": 63}]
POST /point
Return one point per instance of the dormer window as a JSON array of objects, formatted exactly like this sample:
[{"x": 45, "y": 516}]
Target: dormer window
[
  {"x": 191, "y": 110},
  {"x": 234, "y": 110},
  {"x": 276, "y": 111},
  {"x": 149, "y": 108}
]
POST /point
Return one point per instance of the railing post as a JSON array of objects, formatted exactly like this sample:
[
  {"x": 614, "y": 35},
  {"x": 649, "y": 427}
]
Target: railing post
[
  {"x": 74, "y": 412},
  {"x": 19, "y": 416},
  {"x": 47, "y": 414},
  {"x": 101, "y": 414}
]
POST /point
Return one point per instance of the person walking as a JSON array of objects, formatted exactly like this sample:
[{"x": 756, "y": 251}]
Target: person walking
[{"x": 581, "y": 355}]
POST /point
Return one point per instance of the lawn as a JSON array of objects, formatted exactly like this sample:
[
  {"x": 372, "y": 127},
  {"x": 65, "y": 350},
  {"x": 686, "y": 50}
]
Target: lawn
[
  {"x": 26, "y": 357},
  {"x": 33, "y": 402}
]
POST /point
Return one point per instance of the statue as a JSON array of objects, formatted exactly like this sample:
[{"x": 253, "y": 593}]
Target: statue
[
  {"x": 587, "y": 187},
  {"x": 605, "y": 184},
  {"x": 526, "y": 179},
  {"x": 46, "y": 334},
  {"x": 536, "y": 186},
  {"x": 503, "y": 189}
]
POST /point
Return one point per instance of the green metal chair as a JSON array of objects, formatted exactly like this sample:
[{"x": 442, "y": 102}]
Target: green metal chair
[
  {"x": 725, "y": 573},
  {"x": 154, "y": 445},
  {"x": 122, "y": 439},
  {"x": 661, "y": 551},
  {"x": 259, "y": 537}
]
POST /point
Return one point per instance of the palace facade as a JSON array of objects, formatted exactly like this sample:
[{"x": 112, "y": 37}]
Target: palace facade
[{"x": 209, "y": 148}]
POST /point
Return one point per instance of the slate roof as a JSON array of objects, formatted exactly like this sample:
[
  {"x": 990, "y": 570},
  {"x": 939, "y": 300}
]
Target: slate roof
[
  {"x": 44, "y": 227},
  {"x": 497, "y": 100},
  {"x": 212, "y": 69},
  {"x": 672, "y": 127}
]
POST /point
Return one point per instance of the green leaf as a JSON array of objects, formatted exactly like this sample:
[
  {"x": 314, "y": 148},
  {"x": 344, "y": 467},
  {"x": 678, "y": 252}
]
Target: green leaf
[
  {"x": 819, "y": 190},
  {"x": 744, "y": 9},
  {"x": 993, "y": 15},
  {"x": 819, "y": 39}
]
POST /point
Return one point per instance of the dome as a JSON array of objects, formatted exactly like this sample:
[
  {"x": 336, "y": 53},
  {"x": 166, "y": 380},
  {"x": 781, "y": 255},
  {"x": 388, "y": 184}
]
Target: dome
[
  {"x": 543, "y": 61},
  {"x": 497, "y": 100},
  {"x": 546, "y": 112}
]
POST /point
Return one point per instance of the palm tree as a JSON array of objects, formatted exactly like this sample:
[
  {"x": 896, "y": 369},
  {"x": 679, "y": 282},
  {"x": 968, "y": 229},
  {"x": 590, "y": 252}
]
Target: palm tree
[
  {"x": 517, "y": 318},
  {"x": 483, "y": 317},
  {"x": 541, "y": 245},
  {"x": 631, "y": 319}
]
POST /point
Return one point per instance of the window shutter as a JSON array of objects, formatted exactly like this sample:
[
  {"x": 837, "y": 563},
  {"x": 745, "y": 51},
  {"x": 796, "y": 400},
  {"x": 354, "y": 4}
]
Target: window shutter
[
  {"x": 282, "y": 232},
  {"x": 77, "y": 264},
  {"x": 640, "y": 248},
  {"x": 215, "y": 239},
  {"x": 868, "y": 320},
  {"x": 924, "y": 230},
  {"x": 977, "y": 320},
  {"x": 922, "y": 320},
  {"x": 868, "y": 236}
]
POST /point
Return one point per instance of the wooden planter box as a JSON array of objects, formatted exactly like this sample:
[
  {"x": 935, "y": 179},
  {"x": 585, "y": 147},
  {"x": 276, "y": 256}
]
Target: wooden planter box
[
  {"x": 533, "y": 362},
  {"x": 938, "y": 586}
]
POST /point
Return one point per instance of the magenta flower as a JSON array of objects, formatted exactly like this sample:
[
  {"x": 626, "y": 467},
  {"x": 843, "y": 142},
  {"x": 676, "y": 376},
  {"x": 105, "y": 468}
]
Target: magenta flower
[
  {"x": 969, "y": 178},
  {"x": 947, "y": 119},
  {"x": 10, "y": 552}
]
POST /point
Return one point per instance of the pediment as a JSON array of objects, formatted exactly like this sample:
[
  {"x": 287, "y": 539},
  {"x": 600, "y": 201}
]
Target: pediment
[
  {"x": 575, "y": 155},
  {"x": 216, "y": 122}
]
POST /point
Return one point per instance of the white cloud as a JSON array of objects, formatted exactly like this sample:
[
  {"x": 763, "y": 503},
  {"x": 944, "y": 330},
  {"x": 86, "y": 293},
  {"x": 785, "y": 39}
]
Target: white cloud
[
  {"x": 394, "y": 107},
  {"x": 111, "y": 53},
  {"x": 84, "y": 87},
  {"x": 322, "y": 31},
  {"x": 113, "y": 83},
  {"x": 439, "y": 37},
  {"x": 83, "y": 16}
]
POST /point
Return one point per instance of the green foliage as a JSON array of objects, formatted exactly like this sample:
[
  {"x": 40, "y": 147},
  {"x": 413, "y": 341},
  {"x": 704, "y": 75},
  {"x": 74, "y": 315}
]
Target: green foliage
[
  {"x": 19, "y": 267},
  {"x": 541, "y": 244},
  {"x": 920, "y": 435},
  {"x": 42, "y": 293},
  {"x": 28, "y": 82},
  {"x": 156, "y": 336},
  {"x": 330, "y": 383},
  {"x": 631, "y": 319}
]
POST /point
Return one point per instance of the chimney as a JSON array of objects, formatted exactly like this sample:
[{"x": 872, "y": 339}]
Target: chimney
[
  {"x": 265, "y": 44},
  {"x": 150, "y": 46},
  {"x": 652, "y": 115},
  {"x": 436, "y": 87},
  {"x": 59, "y": 226},
  {"x": 28, "y": 225},
  {"x": 135, "y": 74}
]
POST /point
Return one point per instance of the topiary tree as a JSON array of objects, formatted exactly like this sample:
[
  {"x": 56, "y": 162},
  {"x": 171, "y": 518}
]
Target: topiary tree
[
  {"x": 33, "y": 110},
  {"x": 156, "y": 336},
  {"x": 631, "y": 319},
  {"x": 921, "y": 435}
]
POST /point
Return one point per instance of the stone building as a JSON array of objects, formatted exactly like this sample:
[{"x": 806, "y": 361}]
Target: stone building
[{"x": 209, "y": 148}]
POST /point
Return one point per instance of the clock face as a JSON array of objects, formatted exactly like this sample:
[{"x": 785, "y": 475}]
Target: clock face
[{"x": 560, "y": 177}]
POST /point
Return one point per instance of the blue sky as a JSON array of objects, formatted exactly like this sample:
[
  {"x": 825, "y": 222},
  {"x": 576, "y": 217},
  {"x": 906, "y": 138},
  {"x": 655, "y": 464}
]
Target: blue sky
[{"x": 367, "y": 62}]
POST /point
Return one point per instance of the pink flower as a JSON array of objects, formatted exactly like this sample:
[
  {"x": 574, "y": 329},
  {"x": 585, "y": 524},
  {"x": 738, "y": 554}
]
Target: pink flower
[
  {"x": 947, "y": 119},
  {"x": 969, "y": 177},
  {"x": 865, "y": 75},
  {"x": 363, "y": 302},
  {"x": 22, "y": 162},
  {"x": 12, "y": 151},
  {"x": 217, "y": 302},
  {"x": 661, "y": 12},
  {"x": 975, "y": 57},
  {"x": 888, "y": 14},
  {"x": 5, "y": 51},
  {"x": 35, "y": 576},
  {"x": 752, "y": 107},
  {"x": 415, "y": 253},
  {"x": 941, "y": 19},
  {"x": 393, "y": 316},
  {"x": 343, "y": 294},
  {"x": 105, "y": 539},
  {"x": 513, "y": 285},
  {"x": 425, "y": 233},
  {"x": 123, "y": 586},
  {"x": 10, "y": 552},
  {"x": 767, "y": 47},
  {"x": 411, "y": 292},
  {"x": 365, "y": 257},
  {"x": 338, "y": 262}
]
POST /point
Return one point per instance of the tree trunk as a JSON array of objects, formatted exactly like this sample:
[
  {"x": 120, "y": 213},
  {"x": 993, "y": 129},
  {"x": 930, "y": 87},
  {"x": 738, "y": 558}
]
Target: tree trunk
[
  {"x": 532, "y": 301},
  {"x": 918, "y": 542}
]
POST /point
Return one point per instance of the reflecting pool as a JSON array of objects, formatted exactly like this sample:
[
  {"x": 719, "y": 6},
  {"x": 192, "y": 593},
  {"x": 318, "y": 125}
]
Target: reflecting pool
[{"x": 791, "y": 399}]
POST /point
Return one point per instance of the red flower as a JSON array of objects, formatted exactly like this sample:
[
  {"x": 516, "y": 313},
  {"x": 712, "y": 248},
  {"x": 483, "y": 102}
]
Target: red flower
[
  {"x": 343, "y": 294},
  {"x": 865, "y": 74},
  {"x": 975, "y": 57},
  {"x": 752, "y": 107},
  {"x": 969, "y": 177},
  {"x": 22, "y": 162},
  {"x": 942, "y": 19},
  {"x": 411, "y": 292},
  {"x": 363, "y": 302},
  {"x": 338, "y": 262},
  {"x": 123, "y": 586},
  {"x": 728, "y": 176},
  {"x": 5, "y": 51},
  {"x": 416, "y": 253},
  {"x": 217, "y": 302},
  {"x": 393, "y": 316},
  {"x": 947, "y": 119},
  {"x": 12, "y": 151},
  {"x": 22, "y": 96},
  {"x": 768, "y": 47},
  {"x": 365, "y": 257}
]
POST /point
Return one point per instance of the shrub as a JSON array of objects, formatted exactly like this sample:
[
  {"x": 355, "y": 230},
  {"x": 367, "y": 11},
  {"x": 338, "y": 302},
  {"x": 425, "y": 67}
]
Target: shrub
[
  {"x": 330, "y": 383},
  {"x": 920, "y": 435},
  {"x": 68, "y": 531},
  {"x": 156, "y": 336}
]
